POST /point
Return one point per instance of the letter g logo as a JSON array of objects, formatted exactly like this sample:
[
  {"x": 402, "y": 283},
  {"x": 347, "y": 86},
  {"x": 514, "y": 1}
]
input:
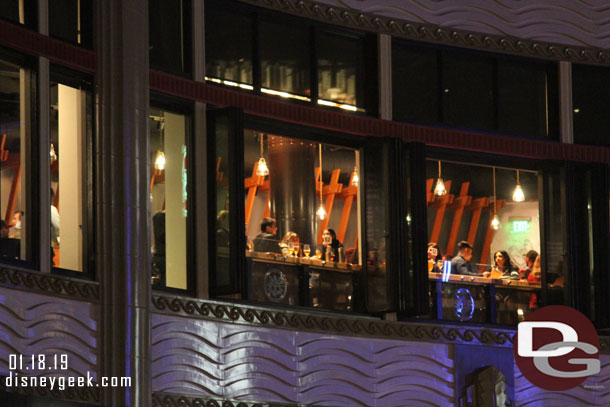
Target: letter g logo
[{"x": 549, "y": 351}]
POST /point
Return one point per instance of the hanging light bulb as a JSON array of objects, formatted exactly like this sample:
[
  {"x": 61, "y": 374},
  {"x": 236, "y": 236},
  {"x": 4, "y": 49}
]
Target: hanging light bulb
[
  {"x": 518, "y": 195},
  {"x": 440, "y": 189},
  {"x": 321, "y": 212},
  {"x": 53, "y": 154},
  {"x": 160, "y": 161},
  {"x": 495, "y": 222},
  {"x": 355, "y": 177},
  {"x": 262, "y": 170}
]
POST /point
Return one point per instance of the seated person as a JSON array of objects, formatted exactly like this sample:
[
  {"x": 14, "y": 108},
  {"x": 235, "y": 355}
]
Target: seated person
[
  {"x": 265, "y": 241},
  {"x": 503, "y": 265},
  {"x": 222, "y": 229},
  {"x": 329, "y": 240},
  {"x": 435, "y": 258},
  {"x": 289, "y": 238},
  {"x": 536, "y": 274},
  {"x": 460, "y": 264},
  {"x": 530, "y": 258}
]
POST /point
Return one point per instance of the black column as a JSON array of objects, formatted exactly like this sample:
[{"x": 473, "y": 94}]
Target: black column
[{"x": 292, "y": 177}]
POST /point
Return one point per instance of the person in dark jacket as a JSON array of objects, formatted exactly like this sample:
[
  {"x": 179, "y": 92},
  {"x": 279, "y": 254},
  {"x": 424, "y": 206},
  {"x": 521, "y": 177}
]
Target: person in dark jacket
[
  {"x": 266, "y": 241},
  {"x": 460, "y": 264}
]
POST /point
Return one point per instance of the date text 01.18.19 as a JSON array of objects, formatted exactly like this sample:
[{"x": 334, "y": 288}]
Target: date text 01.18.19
[{"x": 38, "y": 362}]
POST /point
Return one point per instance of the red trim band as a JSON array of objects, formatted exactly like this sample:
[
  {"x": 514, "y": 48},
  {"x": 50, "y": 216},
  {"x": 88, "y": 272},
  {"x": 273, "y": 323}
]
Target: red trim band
[
  {"x": 368, "y": 126},
  {"x": 60, "y": 52}
]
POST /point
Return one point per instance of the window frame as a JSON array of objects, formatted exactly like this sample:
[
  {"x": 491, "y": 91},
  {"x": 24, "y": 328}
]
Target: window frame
[{"x": 184, "y": 107}]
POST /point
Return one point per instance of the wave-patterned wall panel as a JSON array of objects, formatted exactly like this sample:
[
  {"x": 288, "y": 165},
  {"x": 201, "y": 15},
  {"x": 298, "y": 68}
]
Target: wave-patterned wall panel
[
  {"x": 571, "y": 22},
  {"x": 209, "y": 359},
  {"x": 35, "y": 324},
  {"x": 595, "y": 391}
]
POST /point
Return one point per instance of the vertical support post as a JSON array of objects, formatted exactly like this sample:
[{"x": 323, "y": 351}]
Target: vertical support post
[
  {"x": 385, "y": 76},
  {"x": 122, "y": 200},
  {"x": 566, "y": 129}
]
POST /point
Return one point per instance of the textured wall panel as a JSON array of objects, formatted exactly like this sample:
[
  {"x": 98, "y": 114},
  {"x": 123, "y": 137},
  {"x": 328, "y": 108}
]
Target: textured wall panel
[
  {"x": 595, "y": 391},
  {"x": 571, "y": 22},
  {"x": 203, "y": 358},
  {"x": 32, "y": 324}
]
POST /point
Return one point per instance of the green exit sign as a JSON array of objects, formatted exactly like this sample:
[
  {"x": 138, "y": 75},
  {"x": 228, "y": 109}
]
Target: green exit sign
[{"x": 521, "y": 226}]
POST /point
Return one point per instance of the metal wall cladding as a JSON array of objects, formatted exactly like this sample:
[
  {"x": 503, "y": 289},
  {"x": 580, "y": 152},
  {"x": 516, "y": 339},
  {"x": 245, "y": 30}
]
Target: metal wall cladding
[
  {"x": 595, "y": 391},
  {"x": 36, "y": 324},
  {"x": 542, "y": 20},
  {"x": 240, "y": 362}
]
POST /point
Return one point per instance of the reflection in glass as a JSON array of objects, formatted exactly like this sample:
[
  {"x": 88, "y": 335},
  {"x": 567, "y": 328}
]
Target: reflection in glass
[
  {"x": 168, "y": 196},
  {"x": 228, "y": 55},
  {"x": 14, "y": 162},
  {"x": 284, "y": 53},
  {"x": 339, "y": 79},
  {"x": 67, "y": 155}
]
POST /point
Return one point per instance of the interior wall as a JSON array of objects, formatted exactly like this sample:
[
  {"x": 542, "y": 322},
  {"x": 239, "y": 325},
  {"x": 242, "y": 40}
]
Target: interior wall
[
  {"x": 175, "y": 205},
  {"x": 71, "y": 128}
]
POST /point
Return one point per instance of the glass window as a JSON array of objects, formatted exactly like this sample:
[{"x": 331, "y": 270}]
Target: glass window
[
  {"x": 340, "y": 76},
  {"x": 302, "y": 222},
  {"x": 168, "y": 198},
  {"x": 285, "y": 59},
  {"x": 16, "y": 165},
  {"x": 70, "y": 124},
  {"x": 526, "y": 101},
  {"x": 20, "y": 11},
  {"x": 590, "y": 98},
  {"x": 467, "y": 91},
  {"x": 415, "y": 84},
  {"x": 484, "y": 245},
  {"x": 229, "y": 51},
  {"x": 169, "y": 35},
  {"x": 72, "y": 20}
]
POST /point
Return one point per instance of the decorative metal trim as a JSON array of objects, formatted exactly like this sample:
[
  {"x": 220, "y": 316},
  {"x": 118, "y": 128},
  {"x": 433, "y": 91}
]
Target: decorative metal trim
[
  {"x": 339, "y": 325},
  {"x": 436, "y": 34},
  {"x": 90, "y": 395},
  {"x": 49, "y": 284},
  {"x": 175, "y": 400}
]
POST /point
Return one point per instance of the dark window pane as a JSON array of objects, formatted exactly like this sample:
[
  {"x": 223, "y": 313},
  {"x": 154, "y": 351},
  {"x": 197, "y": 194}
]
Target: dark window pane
[
  {"x": 18, "y": 11},
  {"x": 415, "y": 84},
  {"x": 17, "y": 237},
  {"x": 64, "y": 19},
  {"x": 591, "y": 97},
  {"x": 169, "y": 35},
  {"x": 285, "y": 57},
  {"x": 340, "y": 69},
  {"x": 523, "y": 105},
  {"x": 228, "y": 45},
  {"x": 467, "y": 89}
]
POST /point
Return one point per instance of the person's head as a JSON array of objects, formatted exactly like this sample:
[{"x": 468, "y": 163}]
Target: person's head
[
  {"x": 502, "y": 259},
  {"x": 16, "y": 220},
  {"x": 268, "y": 225},
  {"x": 329, "y": 236},
  {"x": 530, "y": 258},
  {"x": 434, "y": 252},
  {"x": 222, "y": 220},
  {"x": 3, "y": 228},
  {"x": 465, "y": 250},
  {"x": 290, "y": 237}
]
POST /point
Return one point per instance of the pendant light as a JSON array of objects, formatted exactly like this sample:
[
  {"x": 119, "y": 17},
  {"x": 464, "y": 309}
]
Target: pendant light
[
  {"x": 495, "y": 222},
  {"x": 262, "y": 170},
  {"x": 440, "y": 189},
  {"x": 160, "y": 161},
  {"x": 355, "y": 177},
  {"x": 518, "y": 195},
  {"x": 53, "y": 154},
  {"x": 321, "y": 212}
]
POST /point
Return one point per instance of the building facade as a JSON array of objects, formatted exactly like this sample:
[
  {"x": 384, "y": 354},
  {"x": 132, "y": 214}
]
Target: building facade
[{"x": 258, "y": 203}]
